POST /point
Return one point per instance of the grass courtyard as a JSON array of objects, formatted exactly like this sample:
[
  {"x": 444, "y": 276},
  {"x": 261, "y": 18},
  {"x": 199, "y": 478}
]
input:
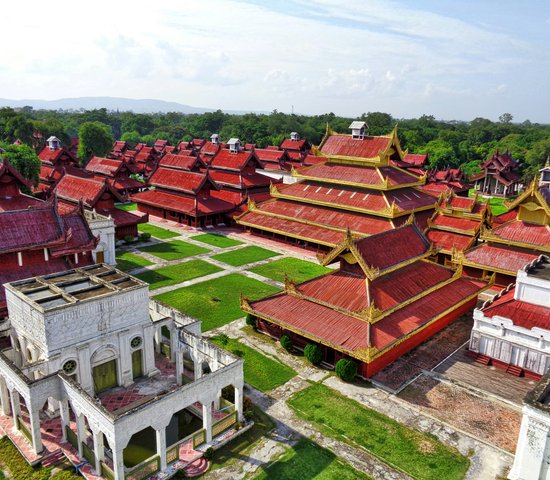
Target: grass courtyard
[
  {"x": 260, "y": 371},
  {"x": 162, "y": 277},
  {"x": 216, "y": 240},
  {"x": 297, "y": 270},
  {"x": 157, "y": 232},
  {"x": 420, "y": 455},
  {"x": 216, "y": 302},
  {"x": 307, "y": 460},
  {"x": 174, "y": 250},
  {"x": 128, "y": 207},
  {"x": 245, "y": 255},
  {"x": 128, "y": 261}
]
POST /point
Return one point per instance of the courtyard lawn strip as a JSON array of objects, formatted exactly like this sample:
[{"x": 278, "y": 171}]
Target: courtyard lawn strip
[
  {"x": 295, "y": 269},
  {"x": 216, "y": 240},
  {"x": 241, "y": 447},
  {"x": 157, "y": 232},
  {"x": 497, "y": 205},
  {"x": 128, "y": 207},
  {"x": 216, "y": 302},
  {"x": 245, "y": 255},
  {"x": 419, "y": 454},
  {"x": 262, "y": 372},
  {"x": 173, "y": 274},
  {"x": 174, "y": 250},
  {"x": 128, "y": 261},
  {"x": 307, "y": 460}
]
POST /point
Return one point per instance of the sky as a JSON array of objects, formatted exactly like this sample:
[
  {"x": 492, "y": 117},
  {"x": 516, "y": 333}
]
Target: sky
[{"x": 454, "y": 59}]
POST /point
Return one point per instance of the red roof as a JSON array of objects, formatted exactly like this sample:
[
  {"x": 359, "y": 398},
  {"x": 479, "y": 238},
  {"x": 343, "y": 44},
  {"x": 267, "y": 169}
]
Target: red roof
[
  {"x": 144, "y": 154},
  {"x": 105, "y": 166},
  {"x": 182, "y": 162},
  {"x": 123, "y": 218},
  {"x": 127, "y": 184},
  {"x": 51, "y": 156},
  {"x": 449, "y": 240},
  {"x": 183, "y": 204},
  {"x": 289, "y": 144},
  {"x": 272, "y": 156},
  {"x": 210, "y": 149},
  {"x": 345, "y": 145},
  {"x": 523, "y": 314},
  {"x": 225, "y": 159},
  {"x": 393, "y": 247},
  {"x": 416, "y": 159},
  {"x": 456, "y": 223},
  {"x": 179, "y": 180},
  {"x": 245, "y": 180},
  {"x": 518, "y": 231},
  {"x": 89, "y": 190},
  {"x": 502, "y": 258}
]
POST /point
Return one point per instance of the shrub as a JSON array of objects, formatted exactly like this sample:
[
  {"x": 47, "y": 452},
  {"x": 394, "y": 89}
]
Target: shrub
[
  {"x": 313, "y": 353},
  {"x": 346, "y": 369},
  {"x": 286, "y": 343},
  {"x": 251, "y": 320},
  {"x": 223, "y": 338},
  {"x": 145, "y": 236},
  {"x": 249, "y": 414},
  {"x": 128, "y": 239},
  {"x": 208, "y": 453}
]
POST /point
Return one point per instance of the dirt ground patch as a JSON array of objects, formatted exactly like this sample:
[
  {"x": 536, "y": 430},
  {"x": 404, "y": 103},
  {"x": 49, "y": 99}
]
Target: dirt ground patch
[{"x": 487, "y": 420}]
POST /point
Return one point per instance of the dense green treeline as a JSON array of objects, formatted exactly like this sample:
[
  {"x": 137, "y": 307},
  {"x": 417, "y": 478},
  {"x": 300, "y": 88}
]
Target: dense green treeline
[{"x": 449, "y": 143}]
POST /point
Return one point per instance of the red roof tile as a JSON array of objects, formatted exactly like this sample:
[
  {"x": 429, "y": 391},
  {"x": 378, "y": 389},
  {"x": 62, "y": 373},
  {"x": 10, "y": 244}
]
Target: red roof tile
[
  {"x": 449, "y": 240},
  {"x": 345, "y": 145},
  {"x": 245, "y": 180},
  {"x": 393, "y": 247},
  {"x": 289, "y": 144},
  {"x": 210, "y": 149},
  {"x": 416, "y": 159},
  {"x": 88, "y": 190},
  {"x": 178, "y": 180},
  {"x": 518, "y": 231},
  {"x": 502, "y": 258},
  {"x": 225, "y": 159},
  {"x": 456, "y": 223},
  {"x": 182, "y": 204},
  {"x": 105, "y": 166},
  {"x": 523, "y": 314},
  {"x": 273, "y": 156},
  {"x": 181, "y": 162}
]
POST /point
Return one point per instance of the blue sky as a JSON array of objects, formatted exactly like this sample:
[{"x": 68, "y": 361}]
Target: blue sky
[{"x": 452, "y": 59}]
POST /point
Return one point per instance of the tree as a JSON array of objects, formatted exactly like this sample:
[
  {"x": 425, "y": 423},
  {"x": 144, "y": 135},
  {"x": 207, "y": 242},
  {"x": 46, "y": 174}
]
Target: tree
[
  {"x": 506, "y": 118},
  {"x": 94, "y": 138},
  {"x": 313, "y": 353},
  {"x": 24, "y": 160}
]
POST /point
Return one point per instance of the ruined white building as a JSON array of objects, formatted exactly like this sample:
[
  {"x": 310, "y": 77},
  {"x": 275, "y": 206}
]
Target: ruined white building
[{"x": 117, "y": 372}]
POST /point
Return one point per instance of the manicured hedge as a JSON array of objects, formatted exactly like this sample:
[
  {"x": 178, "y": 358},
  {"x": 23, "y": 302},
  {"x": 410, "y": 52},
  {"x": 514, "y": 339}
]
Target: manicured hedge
[
  {"x": 313, "y": 353},
  {"x": 346, "y": 369}
]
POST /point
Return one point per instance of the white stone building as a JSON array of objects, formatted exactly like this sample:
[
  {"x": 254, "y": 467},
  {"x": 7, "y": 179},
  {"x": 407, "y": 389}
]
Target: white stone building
[
  {"x": 104, "y": 228},
  {"x": 512, "y": 331},
  {"x": 116, "y": 370}
]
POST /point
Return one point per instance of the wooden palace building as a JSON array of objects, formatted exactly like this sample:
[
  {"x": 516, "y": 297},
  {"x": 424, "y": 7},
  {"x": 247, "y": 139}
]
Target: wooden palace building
[
  {"x": 356, "y": 186},
  {"x": 386, "y": 298}
]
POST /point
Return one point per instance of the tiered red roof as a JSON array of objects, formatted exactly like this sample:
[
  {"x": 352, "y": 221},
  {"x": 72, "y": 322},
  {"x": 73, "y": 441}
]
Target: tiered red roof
[
  {"x": 181, "y": 162},
  {"x": 377, "y": 299}
]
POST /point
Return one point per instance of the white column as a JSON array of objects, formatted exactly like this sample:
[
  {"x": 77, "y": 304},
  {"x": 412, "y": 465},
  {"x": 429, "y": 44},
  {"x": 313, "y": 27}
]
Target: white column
[
  {"x": 99, "y": 451},
  {"x": 179, "y": 367},
  {"x": 217, "y": 402},
  {"x": 157, "y": 339},
  {"x": 161, "y": 447},
  {"x": 15, "y": 407},
  {"x": 118, "y": 463},
  {"x": 197, "y": 366},
  {"x": 34, "y": 418},
  {"x": 149, "y": 351},
  {"x": 80, "y": 433},
  {"x": 65, "y": 418},
  {"x": 4, "y": 397},
  {"x": 207, "y": 420},
  {"x": 239, "y": 402}
]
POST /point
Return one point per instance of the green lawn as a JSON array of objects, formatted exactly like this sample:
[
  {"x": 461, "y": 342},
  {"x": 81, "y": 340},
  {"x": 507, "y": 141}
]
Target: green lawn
[
  {"x": 216, "y": 302},
  {"x": 177, "y": 273},
  {"x": 307, "y": 460},
  {"x": 497, "y": 206},
  {"x": 174, "y": 250},
  {"x": 128, "y": 261},
  {"x": 244, "y": 255},
  {"x": 155, "y": 231},
  {"x": 261, "y": 372},
  {"x": 241, "y": 447},
  {"x": 419, "y": 454},
  {"x": 129, "y": 207},
  {"x": 216, "y": 240},
  {"x": 297, "y": 270}
]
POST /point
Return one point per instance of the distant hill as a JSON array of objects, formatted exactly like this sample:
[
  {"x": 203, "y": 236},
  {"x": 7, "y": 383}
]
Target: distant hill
[{"x": 110, "y": 103}]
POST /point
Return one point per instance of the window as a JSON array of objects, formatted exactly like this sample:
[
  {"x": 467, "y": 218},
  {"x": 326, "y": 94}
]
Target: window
[
  {"x": 69, "y": 367},
  {"x": 135, "y": 342}
]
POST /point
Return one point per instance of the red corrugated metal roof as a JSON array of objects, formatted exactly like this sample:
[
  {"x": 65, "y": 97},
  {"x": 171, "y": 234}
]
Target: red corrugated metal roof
[
  {"x": 209, "y": 148},
  {"x": 225, "y": 159},
  {"x": 267, "y": 155},
  {"x": 182, "y": 204},
  {"x": 105, "y": 166},
  {"x": 458, "y": 223},
  {"x": 449, "y": 240},
  {"x": 78, "y": 188},
  {"x": 416, "y": 159},
  {"x": 245, "y": 180},
  {"x": 390, "y": 248},
  {"x": 518, "y": 231},
  {"x": 181, "y": 162},
  {"x": 502, "y": 258},
  {"x": 523, "y": 314},
  {"x": 464, "y": 203},
  {"x": 289, "y": 144},
  {"x": 345, "y": 145},
  {"x": 179, "y": 180}
]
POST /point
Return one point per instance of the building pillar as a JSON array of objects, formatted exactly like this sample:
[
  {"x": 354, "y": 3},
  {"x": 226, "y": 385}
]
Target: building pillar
[
  {"x": 149, "y": 348},
  {"x": 197, "y": 368},
  {"x": 15, "y": 407},
  {"x": 4, "y": 398},
  {"x": 217, "y": 402},
  {"x": 161, "y": 447},
  {"x": 239, "y": 401},
  {"x": 65, "y": 418},
  {"x": 173, "y": 343},
  {"x": 99, "y": 451},
  {"x": 179, "y": 367},
  {"x": 118, "y": 462},
  {"x": 80, "y": 433},
  {"x": 207, "y": 420},
  {"x": 34, "y": 418},
  {"x": 157, "y": 339}
]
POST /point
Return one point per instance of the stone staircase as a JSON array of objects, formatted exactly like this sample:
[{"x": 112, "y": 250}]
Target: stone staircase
[
  {"x": 53, "y": 458},
  {"x": 514, "y": 370},
  {"x": 483, "y": 359}
]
